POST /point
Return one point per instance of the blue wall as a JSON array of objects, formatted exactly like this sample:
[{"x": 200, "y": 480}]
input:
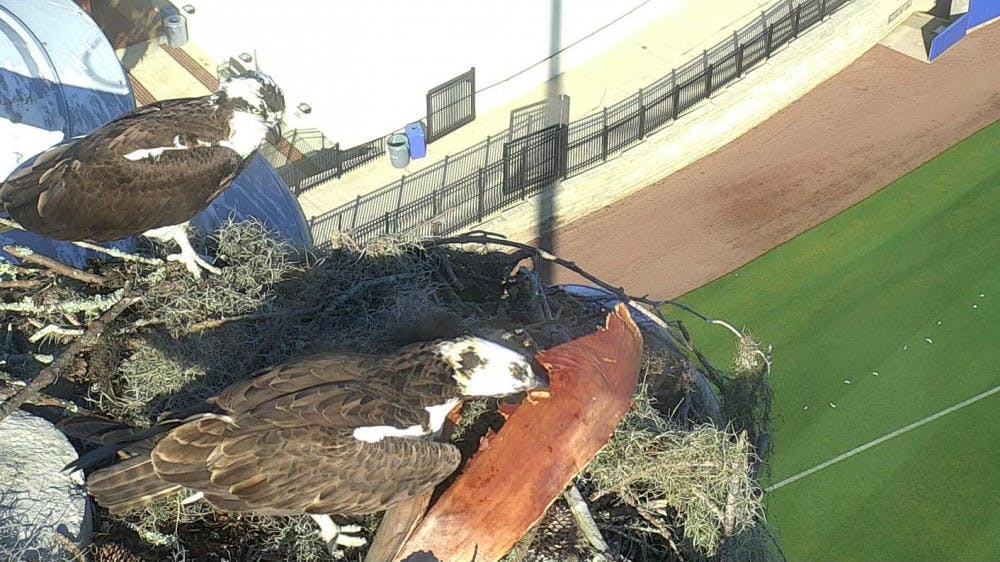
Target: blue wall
[
  {"x": 980, "y": 11},
  {"x": 949, "y": 36}
]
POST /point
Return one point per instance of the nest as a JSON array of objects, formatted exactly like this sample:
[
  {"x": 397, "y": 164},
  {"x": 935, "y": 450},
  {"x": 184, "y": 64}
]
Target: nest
[{"x": 186, "y": 339}]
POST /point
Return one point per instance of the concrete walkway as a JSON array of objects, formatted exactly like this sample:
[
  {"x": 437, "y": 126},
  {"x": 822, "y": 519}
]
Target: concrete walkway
[
  {"x": 646, "y": 56},
  {"x": 610, "y": 77}
]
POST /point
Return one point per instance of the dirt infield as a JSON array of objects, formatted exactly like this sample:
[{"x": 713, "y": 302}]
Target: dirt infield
[{"x": 875, "y": 121}]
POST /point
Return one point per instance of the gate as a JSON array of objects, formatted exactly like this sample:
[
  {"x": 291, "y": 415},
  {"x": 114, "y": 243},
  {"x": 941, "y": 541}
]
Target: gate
[{"x": 534, "y": 161}]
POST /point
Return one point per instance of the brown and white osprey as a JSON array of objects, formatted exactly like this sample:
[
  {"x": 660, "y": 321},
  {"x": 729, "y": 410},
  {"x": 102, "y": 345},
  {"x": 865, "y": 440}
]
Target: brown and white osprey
[
  {"x": 149, "y": 171},
  {"x": 329, "y": 434}
]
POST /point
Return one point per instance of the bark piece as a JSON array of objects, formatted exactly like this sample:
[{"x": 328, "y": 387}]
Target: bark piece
[{"x": 506, "y": 488}]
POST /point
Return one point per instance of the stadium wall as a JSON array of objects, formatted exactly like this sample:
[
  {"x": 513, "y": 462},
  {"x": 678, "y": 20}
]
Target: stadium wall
[{"x": 803, "y": 64}]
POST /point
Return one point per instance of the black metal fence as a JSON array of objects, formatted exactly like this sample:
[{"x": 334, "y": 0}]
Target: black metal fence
[
  {"x": 305, "y": 158},
  {"x": 464, "y": 188}
]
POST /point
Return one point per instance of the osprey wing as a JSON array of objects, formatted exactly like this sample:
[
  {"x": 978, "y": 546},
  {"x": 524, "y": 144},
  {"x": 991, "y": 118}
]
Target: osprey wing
[
  {"x": 282, "y": 471},
  {"x": 156, "y": 166},
  {"x": 334, "y": 389}
]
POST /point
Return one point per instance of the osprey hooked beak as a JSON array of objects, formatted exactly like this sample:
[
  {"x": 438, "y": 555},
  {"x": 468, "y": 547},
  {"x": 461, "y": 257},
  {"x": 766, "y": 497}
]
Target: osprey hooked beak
[
  {"x": 540, "y": 380},
  {"x": 274, "y": 133}
]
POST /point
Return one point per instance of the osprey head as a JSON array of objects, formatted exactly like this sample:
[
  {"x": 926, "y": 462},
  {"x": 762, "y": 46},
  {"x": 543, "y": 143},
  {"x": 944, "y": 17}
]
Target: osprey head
[
  {"x": 255, "y": 93},
  {"x": 483, "y": 368}
]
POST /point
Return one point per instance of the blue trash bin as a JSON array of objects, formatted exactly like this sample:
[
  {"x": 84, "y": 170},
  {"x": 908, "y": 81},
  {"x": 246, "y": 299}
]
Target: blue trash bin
[{"x": 418, "y": 144}]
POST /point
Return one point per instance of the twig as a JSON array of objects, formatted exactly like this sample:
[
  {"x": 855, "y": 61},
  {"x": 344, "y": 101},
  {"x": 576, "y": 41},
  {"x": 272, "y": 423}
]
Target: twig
[
  {"x": 216, "y": 322},
  {"x": 98, "y": 302},
  {"x": 116, "y": 253},
  {"x": 481, "y": 237},
  {"x": 52, "y": 329},
  {"x": 29, "y": 256},
  {"x": 584, "y": 520},
  {"x": 113, "y": 252},
  {"x": 49, "y": 374},
  {"x": 20, "y": 284}
]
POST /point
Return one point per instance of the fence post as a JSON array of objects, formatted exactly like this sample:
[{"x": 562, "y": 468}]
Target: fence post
[
  {"x": 340, "y": 159},
  {"x": 708, "y": 80},
  {"x": 481, "y": 188},
  {"x": 642, "y": 115},
  {"x": 434, "y": 201},
  {"x": 740, "y": 50},
  {"x": 822, "y": 9},
  {"x": 796, "y": 21},
  {"x": 523, "y": 175},
  {"x": 770, "y": 39},
  {"x": 564, "y": 149},
  {"x": 604, "y": 134},
  {"x": 444, "y": 172},
  {"x": 399, "y": 196},
  {"x": 387, "y": 231},
  {"x": 486, "y": 157},
  {"x": 354, "y": 218}
]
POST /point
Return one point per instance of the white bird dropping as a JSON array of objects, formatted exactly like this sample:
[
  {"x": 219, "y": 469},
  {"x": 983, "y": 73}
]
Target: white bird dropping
[
  {"x": 875, "y": 373},
  {"x": 806, "y": 407},
  {"x": 928, "y": 340},
  {"x": 939, "y": 322},
  {"x": 981, "y": 295},
  {"x": 975, "y": 306},
  {"x": 905, "y": 347},
  {"x": 832, "y": 405},
  {"x": 847, "y": 381}
]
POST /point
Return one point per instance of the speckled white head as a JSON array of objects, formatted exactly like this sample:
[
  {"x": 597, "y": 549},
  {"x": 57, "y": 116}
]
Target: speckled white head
[
  {"x": 257, "y": 105},
  {"x": 256, "y": 93},
  {"x": 483, "y": 368}
]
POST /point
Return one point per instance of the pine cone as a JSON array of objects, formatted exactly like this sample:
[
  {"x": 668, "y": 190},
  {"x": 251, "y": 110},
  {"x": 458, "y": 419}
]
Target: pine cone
[{"x": 114, "y": 552}]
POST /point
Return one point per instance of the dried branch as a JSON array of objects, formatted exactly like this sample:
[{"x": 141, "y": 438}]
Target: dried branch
[
  {"x": 584, "y": 520},
  {"x": 53, "y": 330},
  {"x": 486, "y": 238},
  {"x": 98, "y": 302},
  {"x": 20, "y": 284},
  {"x": 113, "y": 252},
  {"x": 217, "y": 322},
  {"x": 29, "y": 256},
  {"x": 49, "y": 374}
]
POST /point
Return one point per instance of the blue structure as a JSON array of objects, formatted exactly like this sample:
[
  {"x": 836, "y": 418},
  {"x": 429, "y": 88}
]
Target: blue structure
[
  {"x": 980, "y": 12},
  {"x": 60, "y": 78}
]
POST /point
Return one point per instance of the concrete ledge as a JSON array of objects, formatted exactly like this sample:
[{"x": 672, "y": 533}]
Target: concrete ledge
[{"x": 792, "y": 72}]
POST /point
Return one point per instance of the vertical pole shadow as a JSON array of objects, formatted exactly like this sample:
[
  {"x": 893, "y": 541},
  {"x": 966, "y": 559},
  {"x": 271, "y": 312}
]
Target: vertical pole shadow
[{"x": 553, "y": 88}]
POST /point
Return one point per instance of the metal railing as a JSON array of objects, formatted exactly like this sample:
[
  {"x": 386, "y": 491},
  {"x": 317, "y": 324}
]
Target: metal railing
[
  {"x": 306, "y": 157},
  {"x": 464, "y": 188}
]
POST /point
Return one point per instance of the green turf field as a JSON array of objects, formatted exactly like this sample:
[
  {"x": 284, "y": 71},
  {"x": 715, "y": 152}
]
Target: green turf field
[{"x": 905, "y": 284}]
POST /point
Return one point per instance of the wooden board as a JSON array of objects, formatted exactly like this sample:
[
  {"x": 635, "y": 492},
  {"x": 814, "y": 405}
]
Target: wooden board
[{"x": 506, "y": 488}]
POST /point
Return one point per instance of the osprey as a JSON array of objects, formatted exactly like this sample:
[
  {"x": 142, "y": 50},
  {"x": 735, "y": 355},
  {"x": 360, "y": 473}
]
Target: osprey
[
  {"x": 149, "y": 171},
  {"x": 335, "y": 433}
]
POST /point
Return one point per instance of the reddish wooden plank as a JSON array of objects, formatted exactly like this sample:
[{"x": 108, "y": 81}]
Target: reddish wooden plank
[{"x": 506, "y": 488}]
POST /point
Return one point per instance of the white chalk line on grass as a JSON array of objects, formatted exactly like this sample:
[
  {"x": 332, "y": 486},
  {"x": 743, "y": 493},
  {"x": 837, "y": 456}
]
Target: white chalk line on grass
[{"x": 883, "y": 439}]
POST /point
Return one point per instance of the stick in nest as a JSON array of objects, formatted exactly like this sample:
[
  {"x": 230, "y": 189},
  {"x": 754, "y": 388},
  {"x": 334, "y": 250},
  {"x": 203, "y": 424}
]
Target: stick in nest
[
  {"x": 29, "y": 256},
  {"x": 113, "y": 252},
  {"x": 49, "y": 374}
]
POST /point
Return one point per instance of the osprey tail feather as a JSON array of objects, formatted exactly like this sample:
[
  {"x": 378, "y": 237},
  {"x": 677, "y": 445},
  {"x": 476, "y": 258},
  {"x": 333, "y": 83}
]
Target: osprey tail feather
[{"x": 128, "y": 485}]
